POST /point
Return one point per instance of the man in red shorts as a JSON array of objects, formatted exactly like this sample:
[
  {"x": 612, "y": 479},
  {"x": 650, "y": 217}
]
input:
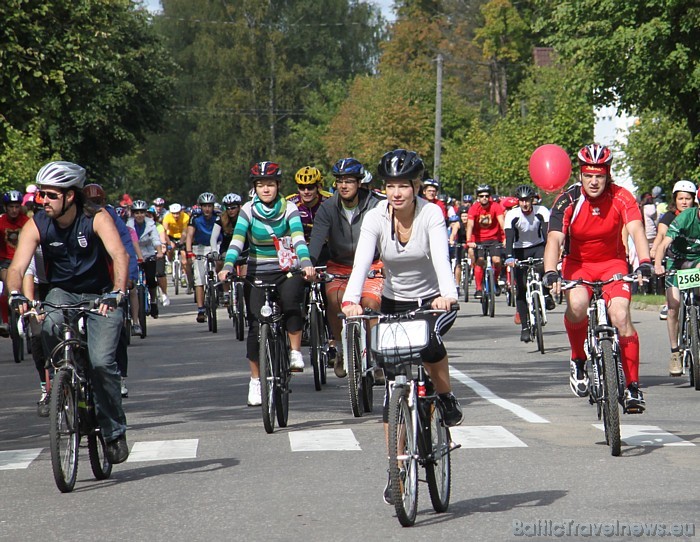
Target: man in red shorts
[
  {"x": 587, "y": 220},
  {"x": 486, "y": 226}
]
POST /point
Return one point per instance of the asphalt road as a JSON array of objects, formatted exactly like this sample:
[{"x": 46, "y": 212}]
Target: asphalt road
[{"x": 532, "y": 464}]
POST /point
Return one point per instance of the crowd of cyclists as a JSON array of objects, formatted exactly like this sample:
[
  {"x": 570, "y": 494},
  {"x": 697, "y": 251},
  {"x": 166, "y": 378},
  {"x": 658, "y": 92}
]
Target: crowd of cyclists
[{"x": 62, "y": 241}]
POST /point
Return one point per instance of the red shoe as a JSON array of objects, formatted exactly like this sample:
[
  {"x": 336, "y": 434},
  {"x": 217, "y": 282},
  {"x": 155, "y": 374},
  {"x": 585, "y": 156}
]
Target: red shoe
[{"x": 516, "y": 318}]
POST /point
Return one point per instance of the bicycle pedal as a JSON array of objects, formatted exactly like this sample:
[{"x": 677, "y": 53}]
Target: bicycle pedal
[{"x": 634, "y": 410}]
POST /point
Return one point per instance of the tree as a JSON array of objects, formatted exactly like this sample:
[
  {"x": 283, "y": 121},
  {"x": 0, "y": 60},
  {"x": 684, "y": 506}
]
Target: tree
[
  {"x": 93, "y": 73},
  {"x": 643, "y": 54}
]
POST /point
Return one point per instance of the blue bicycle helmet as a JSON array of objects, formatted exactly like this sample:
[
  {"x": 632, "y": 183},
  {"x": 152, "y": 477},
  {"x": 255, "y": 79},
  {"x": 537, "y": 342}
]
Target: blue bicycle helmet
[{"x": 348, "y": 166}]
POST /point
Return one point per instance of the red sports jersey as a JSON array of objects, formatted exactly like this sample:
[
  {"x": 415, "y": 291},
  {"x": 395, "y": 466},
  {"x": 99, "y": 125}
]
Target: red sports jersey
[
  {"x": 593, "y": 227},
  {"x": 486, "y": 226},
  {"x": 9, "y": 234}
]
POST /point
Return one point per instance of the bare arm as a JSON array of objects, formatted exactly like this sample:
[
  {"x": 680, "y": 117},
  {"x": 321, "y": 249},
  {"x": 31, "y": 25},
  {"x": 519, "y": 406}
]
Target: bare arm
[
  {"x": 636, "y": 230},
  {"x": 470, "y": 228},
  {"x": 107, "y": 232},
  {"x": 28, "y": 241}
]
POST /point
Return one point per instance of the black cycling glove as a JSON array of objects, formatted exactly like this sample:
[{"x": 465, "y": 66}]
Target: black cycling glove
[
  {"x": 112, "y": 299},
  {"x": 17, "y": 300},
  {"x": 646, "y": 269},
  {"x": 550, "y": 278}
]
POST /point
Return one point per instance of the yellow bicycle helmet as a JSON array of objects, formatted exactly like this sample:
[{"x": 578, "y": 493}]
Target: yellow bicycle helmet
[{"x": 308, "y": 175}]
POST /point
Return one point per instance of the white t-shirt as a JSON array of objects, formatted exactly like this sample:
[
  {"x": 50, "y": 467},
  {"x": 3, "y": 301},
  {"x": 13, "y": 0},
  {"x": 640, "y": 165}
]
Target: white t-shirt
[
  {"x": 416, "y": 271},
  {"x": 528, "y": 228}
]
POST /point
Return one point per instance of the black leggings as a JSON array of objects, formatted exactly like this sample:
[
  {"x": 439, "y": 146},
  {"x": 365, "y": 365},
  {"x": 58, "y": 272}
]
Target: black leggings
[
  {"x": 521, "y": 276},
  {"x": 291, "y": 296}
]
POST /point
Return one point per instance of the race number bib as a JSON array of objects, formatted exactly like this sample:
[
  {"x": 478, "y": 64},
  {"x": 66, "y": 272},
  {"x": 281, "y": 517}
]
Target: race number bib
[{"x": 688, "y": 278}]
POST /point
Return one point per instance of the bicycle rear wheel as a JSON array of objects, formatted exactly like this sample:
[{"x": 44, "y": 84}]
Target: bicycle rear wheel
[
  {"x": 213, "y": 302},
  {"x": 239, "y": 321},
  {"x": 100, "y": 464},
  {"x": 64, "y": 432},
  {"x": 491, "y": 293},
  {"x": 438, "y": 468},
  {"x": 142, "y": 293},
  {"x": 403, "y": 453},
  {"x": 177, "y": 274},
  {"x": 611, "y": 401},
  {"x": 283, "y": 372},
  {"x": 465, "y": 282},
  {"x": 267, "y": 377},
  {"x": 695, "y": 348},
  {"x": 353, "y": 359},
  {"x": 315, "y": 344},
  {"x": 537, "y": 324}
]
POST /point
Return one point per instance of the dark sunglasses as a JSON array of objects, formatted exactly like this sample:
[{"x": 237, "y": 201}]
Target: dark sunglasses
[
  {"x": 139, "y": 212},
  {"x": 50, "y": 195},
  {"x": 306, "y": 187},
  {"x": 230, "y": 207},
  {"x": 483, "y": 196}
]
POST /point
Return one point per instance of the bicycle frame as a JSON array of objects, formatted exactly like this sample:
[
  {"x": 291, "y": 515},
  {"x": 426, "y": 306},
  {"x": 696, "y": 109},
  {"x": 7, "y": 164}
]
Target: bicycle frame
[{"x": 533, "y": 288}]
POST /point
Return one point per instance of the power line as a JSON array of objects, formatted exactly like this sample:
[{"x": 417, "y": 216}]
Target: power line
[{"x": 236, "y": 23}]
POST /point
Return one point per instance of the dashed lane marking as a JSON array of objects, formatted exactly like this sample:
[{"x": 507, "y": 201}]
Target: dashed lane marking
[
  {"x": 487, "y": 394},
  {"x": 163, "y": 450},
  {"x": 18, "y": 459},
  {"x": 647, "y": 435},
  {"x": 314, "y": 440},
  {"x": 485, "y": 436}
]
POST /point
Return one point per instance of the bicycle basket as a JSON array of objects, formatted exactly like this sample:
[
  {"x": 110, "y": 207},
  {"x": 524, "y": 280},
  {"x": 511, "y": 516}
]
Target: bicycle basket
[{"x": 396, "y": 342}]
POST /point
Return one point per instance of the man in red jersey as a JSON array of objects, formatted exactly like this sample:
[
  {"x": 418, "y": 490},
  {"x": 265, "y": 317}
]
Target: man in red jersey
[
  {"x": 587, "y": 221},
  {"x": 10, "y": 225},
  {"x": 485, "y": 226}
]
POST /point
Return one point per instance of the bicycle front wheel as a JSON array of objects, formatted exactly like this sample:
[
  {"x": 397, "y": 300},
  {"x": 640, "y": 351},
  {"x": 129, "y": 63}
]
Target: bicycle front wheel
[
  {"x": 492, "y": 293},
  {"x": 437, "y": 469},
  {"x": 465, "y": 282},
  {"x": 611, "y": 403},
  {"x": 281, "y": 367},
  {"x": 315, "y": 343},
  {"x": 213, "y": 303},
  {"x": 695, "y": 348},
  {"x": 537, "y": 324},
  {"x": 142, "y": 293},
  {"x": 353, "y": 358},
  {"x": 99, "y": 462},
  {"x": 240, "y": 311},
  {"x": 267, "y": 377},
  {"x": 64, "y": 432},
  {"x": 403, "y": 457}
]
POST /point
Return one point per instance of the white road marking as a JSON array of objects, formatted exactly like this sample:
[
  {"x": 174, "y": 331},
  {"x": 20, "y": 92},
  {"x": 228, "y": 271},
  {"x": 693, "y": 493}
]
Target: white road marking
[
  {"x": 323, "y": 440},
  {"x": 18, "y": 459},
  {"x": 163, "y": 450},
  {"x": 485, "y": 436},
  {"x": 487, "y": 394},
  {"x": 647, "y": 435}
]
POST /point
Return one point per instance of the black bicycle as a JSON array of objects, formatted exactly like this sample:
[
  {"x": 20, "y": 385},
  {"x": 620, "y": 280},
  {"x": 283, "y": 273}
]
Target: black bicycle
[
  {"x": 211, "y": 292},
  {"x": 236, "y": 303},
  {"x": 689, "y": 322},
  {"x": 72, "y": 406},
  {"x": 417, "y": 431},
  {"x": 607, "y": 388},
  {"x": 275, "y": 373},
  {"x": 488, "y": 294},
  {"x": 318, "y": 331}
]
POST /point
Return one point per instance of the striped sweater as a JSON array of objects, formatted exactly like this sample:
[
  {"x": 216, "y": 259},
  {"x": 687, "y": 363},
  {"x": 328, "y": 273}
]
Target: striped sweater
[{"x": 283, "y": 219}]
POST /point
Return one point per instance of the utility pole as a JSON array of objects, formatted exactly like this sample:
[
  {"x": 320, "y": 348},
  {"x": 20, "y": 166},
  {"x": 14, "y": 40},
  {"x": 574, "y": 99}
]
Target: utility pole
[{"x": 438, "y": 119}]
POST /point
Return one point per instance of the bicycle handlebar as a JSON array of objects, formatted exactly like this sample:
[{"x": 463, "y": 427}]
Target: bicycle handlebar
[
  {"x": 632, "y": 277},
  {"x": 425, "y": 308}
]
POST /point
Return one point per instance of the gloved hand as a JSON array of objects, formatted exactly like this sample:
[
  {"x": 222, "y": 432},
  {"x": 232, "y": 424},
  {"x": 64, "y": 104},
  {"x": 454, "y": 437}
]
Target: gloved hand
[
  {"x": 17, "y": 300},
  {"x": 112, "y": 299},
  {"x": 550, "y": 278},
  {"x": 646, "y": 269}
]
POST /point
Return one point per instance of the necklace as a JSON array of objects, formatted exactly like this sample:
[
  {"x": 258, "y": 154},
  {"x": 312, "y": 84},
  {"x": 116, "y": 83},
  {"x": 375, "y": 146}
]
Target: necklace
[{"x": 405, "y": 233}]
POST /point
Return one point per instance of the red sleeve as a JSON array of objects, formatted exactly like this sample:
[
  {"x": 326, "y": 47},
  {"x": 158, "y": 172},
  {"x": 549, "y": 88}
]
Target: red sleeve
[{"x": 627, "y": 205}]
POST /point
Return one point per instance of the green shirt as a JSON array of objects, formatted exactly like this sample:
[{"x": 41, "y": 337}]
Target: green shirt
[{"x": 685, "y": 232}]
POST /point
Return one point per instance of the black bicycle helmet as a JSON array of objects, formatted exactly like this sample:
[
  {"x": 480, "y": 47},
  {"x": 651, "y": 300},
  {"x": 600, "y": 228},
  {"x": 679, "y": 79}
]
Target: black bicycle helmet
[
  {"x": 483, "y": 188},
  {"x": 524, "y": 192},
  {"x": 401, "y": 164}
]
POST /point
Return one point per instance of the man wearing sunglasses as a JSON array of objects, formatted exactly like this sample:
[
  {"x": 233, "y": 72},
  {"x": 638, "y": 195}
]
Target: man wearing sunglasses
[
  {"x": 486, "y": 224},
  {"x": 78, "y": 240}
]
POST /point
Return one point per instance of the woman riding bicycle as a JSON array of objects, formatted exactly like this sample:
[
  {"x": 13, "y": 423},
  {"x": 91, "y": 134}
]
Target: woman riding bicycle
[
  {"x": 273, "y": 229},
  {"x": 410, "y": 235}
]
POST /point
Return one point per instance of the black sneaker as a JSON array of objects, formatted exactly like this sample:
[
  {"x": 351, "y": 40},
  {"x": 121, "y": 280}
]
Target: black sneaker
[
  {"x": 549, "y": 303},
  {"x": 201, "y": 317},
  {"x": 117, "y": 450},
  {"x": 478, "y": 294},
  {"x": 634, "y": 399},
  {"x": 154, "y": 310},
  {"x": 525, "y": 335},
  {"x": 452, "y": 410}
]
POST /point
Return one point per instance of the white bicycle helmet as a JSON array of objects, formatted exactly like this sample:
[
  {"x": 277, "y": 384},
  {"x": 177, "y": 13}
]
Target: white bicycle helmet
[
  {"x": 231, "y": 199},
  {"x": 139, "y": 205},
  {"x": 684, "y": 186},
  {"x": 175, "y": 208},
  {"x": 206, "y": 197},
  {"x": 61, "y": 175},
  {"x": 367, "y": 178}
]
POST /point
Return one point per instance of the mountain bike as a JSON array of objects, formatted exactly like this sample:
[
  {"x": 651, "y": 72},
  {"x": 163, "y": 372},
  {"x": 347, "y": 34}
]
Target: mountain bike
[
  {"x": 417, "y": 432},
  {"x": 72, "y": 407},
  {"x": 688, "y": 322},
  {"x": 465, "y": 278},
  {"x": 236, "y": 303},
  {"x": 534, "y": 295},
  {"x": 144, "y": 298},
  {"x": 275, "y": 373},
  {"x": 178, "y": 277},
  {"x": 318, "y": 331},
  {"x": 211, "y": 291},
  {"x": 607, "y": 388},
  {"x": 488, "y": 294}
]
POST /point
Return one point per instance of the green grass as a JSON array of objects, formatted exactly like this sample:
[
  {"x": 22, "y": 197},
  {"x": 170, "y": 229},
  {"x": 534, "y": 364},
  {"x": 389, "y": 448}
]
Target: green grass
[{"x": 649, "y": 299}]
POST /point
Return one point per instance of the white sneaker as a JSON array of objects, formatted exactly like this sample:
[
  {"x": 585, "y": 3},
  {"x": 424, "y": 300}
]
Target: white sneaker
[
  {"x": 254, "y": 398},
  {"x": 296, "y": 361},
  {"x": 165, "y": 300},
  {"x": 125, "y": 390}
]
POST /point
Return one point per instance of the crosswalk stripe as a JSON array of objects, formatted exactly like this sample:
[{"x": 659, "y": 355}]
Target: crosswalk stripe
[
  {"x": 163, "y": 450},
  {"x": 647, "y": 435},
  {"x": 314, "y": 440},
  {"x": 18, "y": 459},
  {"x": 485, "y": 436},
  {"x": 487, "y": 394}
]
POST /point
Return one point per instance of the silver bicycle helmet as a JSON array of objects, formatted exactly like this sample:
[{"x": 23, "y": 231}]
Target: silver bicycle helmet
[
  {"x": 206, "y": 197},
  {"x": 61, "y": 175},
  {"x": 231, "y": 199}
]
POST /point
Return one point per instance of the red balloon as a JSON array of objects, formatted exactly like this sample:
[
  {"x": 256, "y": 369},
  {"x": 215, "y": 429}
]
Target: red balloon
[{"x": 550, "y": 167}]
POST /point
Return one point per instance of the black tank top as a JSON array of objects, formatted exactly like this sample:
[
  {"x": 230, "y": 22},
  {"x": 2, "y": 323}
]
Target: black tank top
[{"x": 75, "y": 258}]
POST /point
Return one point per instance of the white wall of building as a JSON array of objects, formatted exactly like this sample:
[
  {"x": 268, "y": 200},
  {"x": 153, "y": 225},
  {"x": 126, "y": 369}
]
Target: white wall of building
[{"x": 611, "y": 129}]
